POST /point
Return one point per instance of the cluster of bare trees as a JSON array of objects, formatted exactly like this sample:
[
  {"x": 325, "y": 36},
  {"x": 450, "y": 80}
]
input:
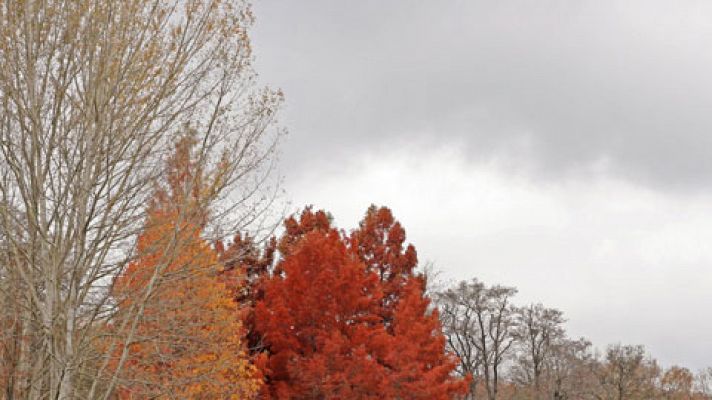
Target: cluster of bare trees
[
  {"x": 93, "y": 94},
  {"x": 523, "y": 352}
]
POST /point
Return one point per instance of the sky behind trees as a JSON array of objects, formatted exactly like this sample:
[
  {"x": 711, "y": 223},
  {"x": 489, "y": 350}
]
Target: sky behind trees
[{"x": 560, "y": 147}]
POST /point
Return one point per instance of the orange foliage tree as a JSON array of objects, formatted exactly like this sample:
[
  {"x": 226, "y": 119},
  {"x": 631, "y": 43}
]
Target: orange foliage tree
[
  {"x": 347, "y": 318},
  {"x": 188, "y": 341}
]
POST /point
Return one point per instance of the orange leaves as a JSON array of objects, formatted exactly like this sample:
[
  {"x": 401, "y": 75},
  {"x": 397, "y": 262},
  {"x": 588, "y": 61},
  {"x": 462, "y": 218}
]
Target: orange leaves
[
  {"x": 188, "y": 338},
  {"x": 188, "y": 341}
]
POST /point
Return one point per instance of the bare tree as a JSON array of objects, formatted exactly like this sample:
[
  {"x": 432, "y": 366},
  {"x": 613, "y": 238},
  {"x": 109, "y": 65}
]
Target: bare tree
[
  {"x": 461, "y": 329},
  {"x": 91, "y": 95},
  {"x": 487, "y": 331},
  {"x": 570, "y": 369},
  {"x": 538, "y": 330}
]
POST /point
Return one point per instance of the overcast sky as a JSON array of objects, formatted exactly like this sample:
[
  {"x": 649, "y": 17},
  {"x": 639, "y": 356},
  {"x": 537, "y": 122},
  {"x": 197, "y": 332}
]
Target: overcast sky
[{"x": 562, "y": 147}]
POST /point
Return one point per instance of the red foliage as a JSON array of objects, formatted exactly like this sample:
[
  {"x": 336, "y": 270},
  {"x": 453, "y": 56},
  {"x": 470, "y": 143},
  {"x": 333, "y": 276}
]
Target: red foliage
[
  {"x": 317, "y": 322},
  {"x": 421, "y": 367},
  {"x": 347, "y": 318},
  {"x": 379, "y": 243},
  {"x": 295, "y": 228}
]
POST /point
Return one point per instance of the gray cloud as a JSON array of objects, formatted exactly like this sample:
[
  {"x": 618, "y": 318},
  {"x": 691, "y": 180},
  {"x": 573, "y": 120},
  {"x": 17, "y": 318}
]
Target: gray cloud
[
  {"x": 549, "y": 145},
  {"x": 547, "y": 87}
]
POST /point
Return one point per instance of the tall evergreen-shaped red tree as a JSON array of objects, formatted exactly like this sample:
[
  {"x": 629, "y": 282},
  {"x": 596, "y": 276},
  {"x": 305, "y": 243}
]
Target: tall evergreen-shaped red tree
[
  {"x": 317, "y": 322},
  {"x": 380, "y": 243},
  {"x": 421, "y": 369}
]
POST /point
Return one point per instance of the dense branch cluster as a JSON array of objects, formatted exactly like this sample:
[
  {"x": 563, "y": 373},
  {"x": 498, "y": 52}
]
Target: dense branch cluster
[{"x": 514, "y": 352}]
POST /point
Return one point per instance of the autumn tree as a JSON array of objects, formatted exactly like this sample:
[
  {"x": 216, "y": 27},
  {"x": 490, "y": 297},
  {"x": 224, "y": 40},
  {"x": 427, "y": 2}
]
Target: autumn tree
[
  {"x": 188, "y": 341},
  {"x": 295, "y": 227},
  {"x": 421, "y": 367},
  {"x": 626, "y": 373},
  {"x": 379, "y": 242},
  {"x": 571, "y": 368},
  {"x": 677, "y": 384},
  {"x": 92, "y": 95},
  {"x": 317, "y": 322},
  {"x": 323, "y": 324}
]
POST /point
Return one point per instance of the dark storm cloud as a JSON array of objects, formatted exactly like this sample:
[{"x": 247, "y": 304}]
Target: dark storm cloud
[{"x": 547, "y": 86}]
